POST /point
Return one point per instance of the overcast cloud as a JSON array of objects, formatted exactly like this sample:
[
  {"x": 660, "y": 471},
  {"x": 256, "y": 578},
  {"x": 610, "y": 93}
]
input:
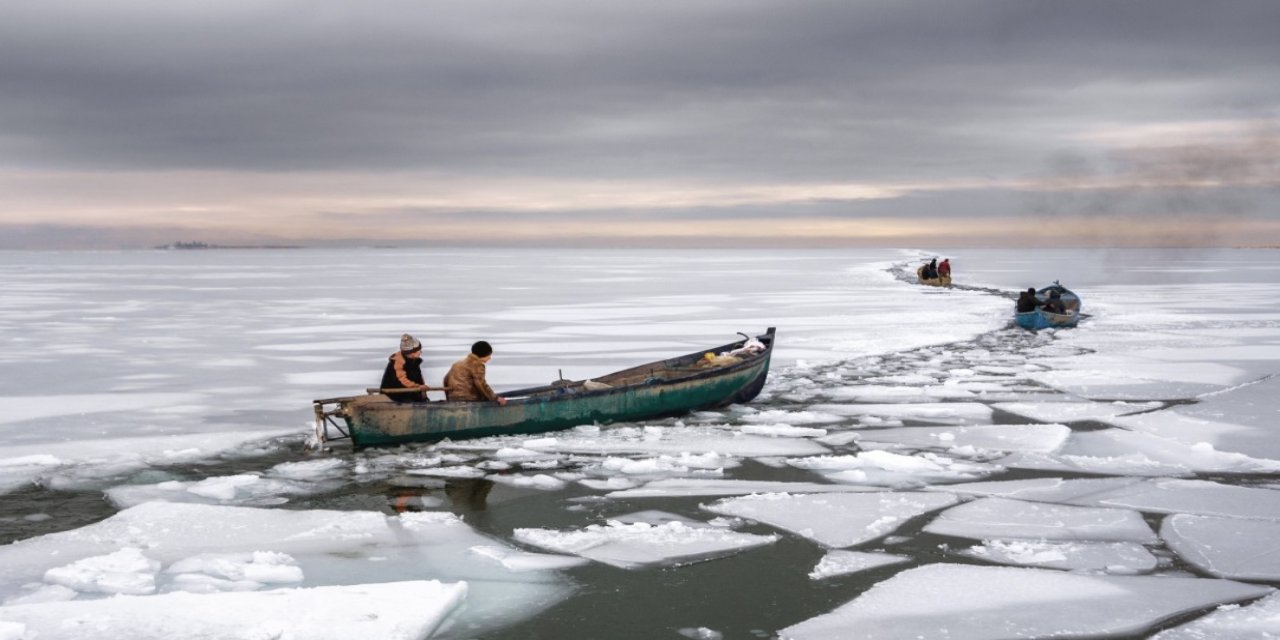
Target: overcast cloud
[{"x": 330, "y": 121}]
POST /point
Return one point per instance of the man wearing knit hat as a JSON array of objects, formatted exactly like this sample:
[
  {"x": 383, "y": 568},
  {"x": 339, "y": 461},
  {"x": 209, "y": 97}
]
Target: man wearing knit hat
[{"x": 404, "y": 371}]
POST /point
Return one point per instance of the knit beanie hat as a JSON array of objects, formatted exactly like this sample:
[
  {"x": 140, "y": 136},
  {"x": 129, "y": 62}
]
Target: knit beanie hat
[{"x": 409, "y": 343}]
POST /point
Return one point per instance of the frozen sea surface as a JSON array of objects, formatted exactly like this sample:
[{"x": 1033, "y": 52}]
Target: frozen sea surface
[{"x": 913, "y": 424}]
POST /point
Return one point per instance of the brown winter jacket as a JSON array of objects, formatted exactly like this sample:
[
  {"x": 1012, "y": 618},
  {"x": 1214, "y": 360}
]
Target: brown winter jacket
[{"x": 465, "y": 381}]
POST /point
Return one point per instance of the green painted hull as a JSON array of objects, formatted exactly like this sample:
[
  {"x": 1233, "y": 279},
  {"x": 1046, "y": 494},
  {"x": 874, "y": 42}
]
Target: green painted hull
[{"x": 375, "y": 420}]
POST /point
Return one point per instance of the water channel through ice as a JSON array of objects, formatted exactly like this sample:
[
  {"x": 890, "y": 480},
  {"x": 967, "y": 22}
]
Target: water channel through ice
[{"x": 914, "y": 468}]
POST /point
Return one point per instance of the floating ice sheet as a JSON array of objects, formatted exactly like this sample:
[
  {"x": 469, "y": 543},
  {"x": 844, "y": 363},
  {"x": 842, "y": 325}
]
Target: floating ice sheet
[
  {"x": 1041, "y": 489},
  {"x": 207, "y": 543},
  {"x": 1112, "y": 557},
  {"x": 841, "y": 562},
  {"x": 1073, "y": 411},
  {"x": 1121, "y": 452},
  {"x": 834, "y": 520},
  {"x": 940, "y": 413},
  {"x": 656, "y": 440},
  {"x": 1000, "y": 518},
  {"x": 1225, "y": 547},
  {"x": 640, "y": 544},
  {"x": 962, "y": 602},
  {"x": 1044, "y": 438},
  {"x": 1258, "y": 621},
  {"x": 395, "y": 611},
  {"x": 889, "y": 469},
  {"x": 1200, "y": 497},
  {"x": 712, "y": 487}
]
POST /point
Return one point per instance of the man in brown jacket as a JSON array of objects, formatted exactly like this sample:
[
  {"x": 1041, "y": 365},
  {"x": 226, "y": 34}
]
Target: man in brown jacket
[{"x": 465, "y": 381}]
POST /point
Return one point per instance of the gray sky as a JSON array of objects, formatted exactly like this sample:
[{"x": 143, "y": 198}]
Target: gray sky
[{"x": 556, "y": 122}]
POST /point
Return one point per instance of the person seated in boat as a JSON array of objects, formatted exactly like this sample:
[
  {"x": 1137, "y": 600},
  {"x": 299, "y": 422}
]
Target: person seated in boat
[
  {"x": 465, "y": 381},
  {"x": 931, "y": 270},
  {"x": 404, "y": 371},
  {"x": 1027, "y": 301},
  {"x": 1054, "y": 303},
  {"x": 944, "y": 268}
]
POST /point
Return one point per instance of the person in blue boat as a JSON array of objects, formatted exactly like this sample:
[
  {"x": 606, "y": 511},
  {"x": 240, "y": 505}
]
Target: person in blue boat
[
  {"x": 404, "y": 371},
  {"x": 931, "y": 270},
  {"x": 1054, "y": 303},
  {"x": 465, "y": 381},
  {"x": 1027, "y": 301}
]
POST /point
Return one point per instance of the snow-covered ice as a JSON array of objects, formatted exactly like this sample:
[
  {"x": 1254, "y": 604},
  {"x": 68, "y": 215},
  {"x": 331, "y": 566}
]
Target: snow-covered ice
[
  {"x": 1112, "y": 557},
  {"x": 834, "y": 520},
  {"x": 989, "y": 518},
  {"x": 711, "y": 487},
  {"x": 842, "y": 562},
  {"x": 641, "y": 544},
  {"x": 1257, "y": 621},
  {"x": 962, "y": 602},
  {"x": 1044, "y": 438},
  {"x": 1225, "y": 547}
]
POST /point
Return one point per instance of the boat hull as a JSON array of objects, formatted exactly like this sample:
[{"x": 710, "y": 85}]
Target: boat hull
[
  {"x": 376, "y": 420},
  {"x": 1041, "y": 319}
]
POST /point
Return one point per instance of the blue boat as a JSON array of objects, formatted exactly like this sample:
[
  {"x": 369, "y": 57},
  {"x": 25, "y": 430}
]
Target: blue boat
[{"x": 1041, "y": 319}]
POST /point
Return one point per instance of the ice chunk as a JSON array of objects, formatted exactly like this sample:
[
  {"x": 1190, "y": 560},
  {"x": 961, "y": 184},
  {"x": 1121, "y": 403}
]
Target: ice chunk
[
  {"x": 962, "y": 602},
  {"x": 1117, "y": 451},
  {"x": 539, "y": 481},
  {"x": 1258, "y": 621},
  {"x": 940, "y": 413},
  {"x": 244, "y": 489},
  {"x": 782, "y": 430},
  {"x": 394, "y": 611},
  {"x": 1042, "y": 489},
  {"x": 777, "y": 416},
  {"x": 1225, "y": 547},
  {"x": 990, "y": 518},
  {"x": 1031, "y": 437},
  {"x": 894, "y": 470},
  {"x": 524, "y": 561},
  {"x": 841, "y": 562},
  {"x": 641, "y": 544},
  {"x": 697, "y": 487},
  {"x": 666, "y": 440},
  {"x": 210, "y": 572},
  {"x": 834, "y": 519},
  {"x": 1200, "y": 497},
  {"x": 1113, "y": 557},
  {"x": 128, "y": 571},
  {"x": 1073, "y": 411}
]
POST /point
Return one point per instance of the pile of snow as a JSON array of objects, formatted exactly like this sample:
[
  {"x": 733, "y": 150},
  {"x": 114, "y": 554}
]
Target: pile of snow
[{"x": 841, "y": 562}]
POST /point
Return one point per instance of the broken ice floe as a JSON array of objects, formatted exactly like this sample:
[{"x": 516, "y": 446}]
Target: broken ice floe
[
  {"x": 640, "y": 544},
  {"x": 842, "y": 562},
  {"x": 395, "y": 611},
  {"x": 939, "y": 413},
  {"x": 244, "y": 489},
  {"x": 1257, "y": 621},
  {"x": 1001, "y": 518},
  {"x": 1200, "y": 497},
  {"x": 710, "y": 487},
  {"x": 194, "y": 547},
  {"x": 1044, "y": 438},
  {"x": 963, "y": 602},
  {"x": 889, "y": 469},
  {"x": 1073, "y": 411},
  {"x": 1225, "y": 547},
  {"x": 834, "y": 520},
  {"x": 1117, "y": 451},
  {"x": 1041, "y": 489},
  {"x": 654, "y": 440},
  {"x": 1112, "y": 557}
]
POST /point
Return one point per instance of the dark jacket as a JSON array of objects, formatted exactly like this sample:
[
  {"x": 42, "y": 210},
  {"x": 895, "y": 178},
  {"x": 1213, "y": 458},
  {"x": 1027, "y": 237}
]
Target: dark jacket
[
  {"x": 403, "y": 373},
  {"x": 1027, "y": 302},
  {"x": 465, "y": 381}
]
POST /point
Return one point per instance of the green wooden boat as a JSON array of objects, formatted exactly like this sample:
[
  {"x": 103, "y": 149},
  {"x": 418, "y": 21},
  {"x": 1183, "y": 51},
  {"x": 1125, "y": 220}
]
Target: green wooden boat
[{"x": 700, "y": 380}]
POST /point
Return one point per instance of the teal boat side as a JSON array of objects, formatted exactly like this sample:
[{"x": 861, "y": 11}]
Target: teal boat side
[
  {"x": 1041, "y": 319},
  {"x": 376, "y": 420}
]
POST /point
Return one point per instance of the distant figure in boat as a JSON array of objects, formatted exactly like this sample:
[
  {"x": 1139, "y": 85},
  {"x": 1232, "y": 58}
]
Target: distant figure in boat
[
  {"x": 931, "y": 270},
  {"x": 404, "y": 371},
  {"x": 465, "y": 381},
  {"x": 1054, "y": 303},
  {"x": 1027, "y": 301},
  {"x": 944, "y": 268}
]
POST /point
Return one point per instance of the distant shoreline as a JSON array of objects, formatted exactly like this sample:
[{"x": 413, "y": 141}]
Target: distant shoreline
[{"x": 199, "y": 246}]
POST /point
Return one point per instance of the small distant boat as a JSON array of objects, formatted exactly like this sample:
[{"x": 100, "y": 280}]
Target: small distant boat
[
  {"x": 940, "y": 281},
  {"x": 1041, "y": 319},
  {"x": 716, "y": 377}
]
